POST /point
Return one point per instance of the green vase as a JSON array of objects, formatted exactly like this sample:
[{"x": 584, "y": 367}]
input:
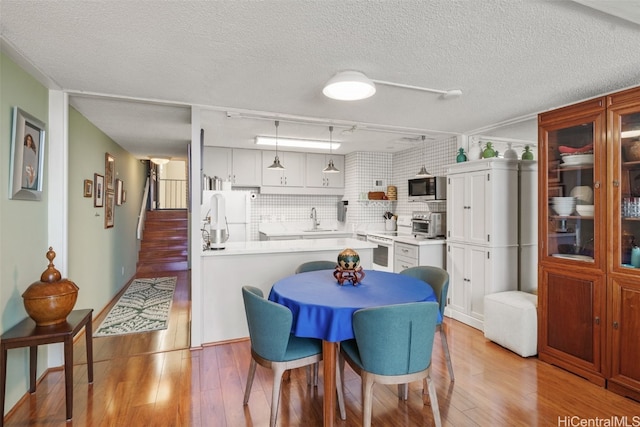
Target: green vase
[
  {"x": 527, "y": 154},
  {"x": 488, "y": 151},
  {"x": 461, "y": 157}
]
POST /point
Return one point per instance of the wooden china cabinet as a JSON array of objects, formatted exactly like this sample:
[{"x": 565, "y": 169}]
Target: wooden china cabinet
[{"x": 589, "y": 264}]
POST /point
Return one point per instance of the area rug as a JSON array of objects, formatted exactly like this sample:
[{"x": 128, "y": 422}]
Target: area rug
[{"x": 144, "y": 307}]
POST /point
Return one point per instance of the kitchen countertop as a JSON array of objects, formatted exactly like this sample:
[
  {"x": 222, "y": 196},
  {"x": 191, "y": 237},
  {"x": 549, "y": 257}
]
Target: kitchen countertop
[
  {"x": 410, "y": 240},
  {"x": 282, "y": 246}
]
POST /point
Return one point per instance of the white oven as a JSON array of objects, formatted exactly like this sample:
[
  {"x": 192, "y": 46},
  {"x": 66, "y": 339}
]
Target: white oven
[{"x": 383, "y": 253}]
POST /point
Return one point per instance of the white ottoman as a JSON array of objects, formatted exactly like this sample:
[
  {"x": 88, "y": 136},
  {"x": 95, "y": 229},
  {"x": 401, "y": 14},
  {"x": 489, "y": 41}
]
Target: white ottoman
[{"x": 511, "y": 320}]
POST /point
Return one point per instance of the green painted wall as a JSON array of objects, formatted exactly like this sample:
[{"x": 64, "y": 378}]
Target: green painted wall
[
  {"x": 98, "y": 255},
  {"x": 100, "y": 261},
  {"x": 23, "y": 224}
]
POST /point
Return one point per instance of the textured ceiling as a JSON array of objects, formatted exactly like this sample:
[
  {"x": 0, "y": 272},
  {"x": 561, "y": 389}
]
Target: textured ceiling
[{"x": 512, "y": 59}]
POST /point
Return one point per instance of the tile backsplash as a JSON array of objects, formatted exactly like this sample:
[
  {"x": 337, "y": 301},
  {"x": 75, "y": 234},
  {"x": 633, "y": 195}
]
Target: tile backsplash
[{"x": 364, "y": 172}]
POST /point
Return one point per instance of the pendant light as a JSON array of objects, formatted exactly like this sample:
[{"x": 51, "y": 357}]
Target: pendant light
[
  {"x": 330, "y": 167},
  {"x": 423, "y": 171},
  {"x": 276, "y": 162}
]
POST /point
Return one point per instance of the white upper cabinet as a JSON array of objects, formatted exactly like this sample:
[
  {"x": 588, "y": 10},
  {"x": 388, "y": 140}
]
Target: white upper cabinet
[
  {"x": 318, "y": 179},
  {"x": 217, "y": 161},
  {"x": 247, "y": 165},
  {"x": 291, "y": 176},
  {"x": 482, "y": 202},
  {"x": 241, "y": 167}
]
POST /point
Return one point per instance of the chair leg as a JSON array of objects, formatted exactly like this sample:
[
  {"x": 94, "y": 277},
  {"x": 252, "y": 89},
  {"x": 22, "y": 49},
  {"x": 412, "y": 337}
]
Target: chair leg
[
  {"x": 316, "y": 367},
  {"x": 403, "y": 391},
  {"x": 367, "y": 399},
  {"x": 252, "y": 373},
  {"x": 445, "y": 347},
  {"x": 275, "y": 394},
  {"x": 435, "y": 409},
  {"x": 339, "y": 386}
]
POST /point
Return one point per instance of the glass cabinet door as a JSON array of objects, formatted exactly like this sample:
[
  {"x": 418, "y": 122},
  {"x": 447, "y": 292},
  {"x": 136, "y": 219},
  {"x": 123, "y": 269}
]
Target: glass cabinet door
[
  {"x": 625, "y": 134},
  {"x": 573, "y": 158}
]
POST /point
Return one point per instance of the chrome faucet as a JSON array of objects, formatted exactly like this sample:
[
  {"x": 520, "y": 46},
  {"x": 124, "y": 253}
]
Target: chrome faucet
[{"x": 314, "y": 217}]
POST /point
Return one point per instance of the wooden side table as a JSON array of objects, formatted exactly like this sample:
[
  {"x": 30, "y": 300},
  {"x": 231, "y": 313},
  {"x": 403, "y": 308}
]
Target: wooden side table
[{"x": 27, "y": 334}]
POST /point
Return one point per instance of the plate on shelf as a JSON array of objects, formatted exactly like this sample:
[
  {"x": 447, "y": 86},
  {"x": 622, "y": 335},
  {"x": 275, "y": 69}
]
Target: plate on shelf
[
  {"x": 577, "y": 159},
  {"x": 576, "y": 257}
]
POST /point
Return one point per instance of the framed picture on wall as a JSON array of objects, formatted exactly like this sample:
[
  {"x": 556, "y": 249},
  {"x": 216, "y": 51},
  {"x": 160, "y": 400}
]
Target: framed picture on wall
[
  {"x": 109, "y": 209},
  {"x": 27, "y": 156},
  {"x": 88, "y": 188},
  {"x": 110, "y": 172},
  {"x": 98, "y": 195},
  {"x": 119, "y": 190}
]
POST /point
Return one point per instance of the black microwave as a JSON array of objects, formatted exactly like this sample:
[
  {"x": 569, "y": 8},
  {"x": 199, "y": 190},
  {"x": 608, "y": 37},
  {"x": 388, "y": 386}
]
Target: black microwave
[{"x": 429, "y": 188}]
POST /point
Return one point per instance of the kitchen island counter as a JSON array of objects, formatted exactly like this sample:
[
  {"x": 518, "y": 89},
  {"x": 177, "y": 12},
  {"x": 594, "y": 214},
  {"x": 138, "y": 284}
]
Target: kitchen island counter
[
  {"x": 277, "y": 246},
  {"x": 260, "y": 264}
]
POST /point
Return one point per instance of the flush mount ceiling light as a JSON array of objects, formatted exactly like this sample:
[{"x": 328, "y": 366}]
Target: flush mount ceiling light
[
  {"x": 330, "y": 167},
  {"x": 349, "y": 86},
  {"x": 354, "y": 85},
  {"x": 160, "y": 160},
  {"x": 422, "y": 173},
  {"x": 276, "y": 161}
]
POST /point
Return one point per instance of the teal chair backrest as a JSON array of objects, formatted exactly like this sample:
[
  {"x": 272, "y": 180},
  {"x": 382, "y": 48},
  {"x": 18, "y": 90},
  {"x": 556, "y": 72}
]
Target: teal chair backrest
[
  {"x": 437, "y": 277},
  {"x": 269, "y": 324},
  {"x": 396, "y": 339},
  {"x": 316, "y": 265}
]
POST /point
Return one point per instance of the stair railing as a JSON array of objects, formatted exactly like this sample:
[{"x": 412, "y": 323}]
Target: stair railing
[{"x": 143, "y": 210}]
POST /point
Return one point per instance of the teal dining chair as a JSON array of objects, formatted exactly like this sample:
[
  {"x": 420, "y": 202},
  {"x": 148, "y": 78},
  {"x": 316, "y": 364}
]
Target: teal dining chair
[
  {"x": 316, "y": 265},
  {"x": 392, "y": 345},
  {"x": 313, "y": 266},
  {"x": 438, "y": 279},
  {"x": 272, "y": 344}
]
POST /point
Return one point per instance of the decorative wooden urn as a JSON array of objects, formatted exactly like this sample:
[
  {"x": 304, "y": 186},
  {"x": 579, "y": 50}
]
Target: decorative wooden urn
[{"x": 50, "y": 300}]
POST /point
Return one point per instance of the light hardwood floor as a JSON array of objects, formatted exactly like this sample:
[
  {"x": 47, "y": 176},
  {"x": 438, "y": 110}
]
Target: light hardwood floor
[{"x": 153, "y": 379}]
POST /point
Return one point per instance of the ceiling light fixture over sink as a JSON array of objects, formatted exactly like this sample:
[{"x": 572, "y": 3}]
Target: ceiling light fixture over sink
[
  {"x": 276, "y": 165},
  {"x": 330, "y": 167},
  {"x": 353, "y": 86}
]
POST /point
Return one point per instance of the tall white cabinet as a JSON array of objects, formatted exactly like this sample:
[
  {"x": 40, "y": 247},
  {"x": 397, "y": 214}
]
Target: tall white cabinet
[{"x": 482, "y": 235}]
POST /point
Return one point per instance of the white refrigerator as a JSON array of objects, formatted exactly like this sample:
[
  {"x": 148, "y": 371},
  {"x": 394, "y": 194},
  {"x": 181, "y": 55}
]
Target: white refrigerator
[{"x": 237, "y": 212}]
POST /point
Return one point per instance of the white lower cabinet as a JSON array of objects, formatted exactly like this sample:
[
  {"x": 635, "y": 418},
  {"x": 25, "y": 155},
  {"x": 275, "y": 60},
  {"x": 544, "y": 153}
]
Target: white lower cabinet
[
  {"x": 475, "y": 271},
  {"x": 408, "y": 255}
]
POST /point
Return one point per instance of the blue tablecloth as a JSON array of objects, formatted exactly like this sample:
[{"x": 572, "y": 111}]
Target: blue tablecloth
[{"x": 323, "y": 309}]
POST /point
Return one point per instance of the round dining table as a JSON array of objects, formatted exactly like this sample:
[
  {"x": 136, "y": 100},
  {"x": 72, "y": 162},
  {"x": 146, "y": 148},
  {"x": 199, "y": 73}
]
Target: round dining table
[{"x": 323, "y": 309}]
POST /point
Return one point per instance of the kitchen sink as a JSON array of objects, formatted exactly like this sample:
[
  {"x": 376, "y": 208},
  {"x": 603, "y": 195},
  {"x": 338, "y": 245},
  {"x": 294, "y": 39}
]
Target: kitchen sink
[{"x": 318, "y": 230}]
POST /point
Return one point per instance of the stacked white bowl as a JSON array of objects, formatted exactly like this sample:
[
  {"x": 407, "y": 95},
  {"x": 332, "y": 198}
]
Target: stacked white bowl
[{"x": 564, "y": 206}]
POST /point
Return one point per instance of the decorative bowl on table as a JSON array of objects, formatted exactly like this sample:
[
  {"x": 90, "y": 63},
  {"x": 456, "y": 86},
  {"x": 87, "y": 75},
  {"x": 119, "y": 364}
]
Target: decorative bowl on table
[
  {"x": 348, "y": 259},
  {"x": 348, "y": 269}
]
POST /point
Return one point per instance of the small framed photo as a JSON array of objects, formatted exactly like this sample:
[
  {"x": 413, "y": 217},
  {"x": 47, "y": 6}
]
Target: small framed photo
[
  {"x": 27, "y": 156},
  {"x": 110, "y": 172},
  {"x": 109, "y": 209},
  {"x": 119, "y": 190},
  {"x": 88, "y": 188},
  {"x": 98, "y": 195}
]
